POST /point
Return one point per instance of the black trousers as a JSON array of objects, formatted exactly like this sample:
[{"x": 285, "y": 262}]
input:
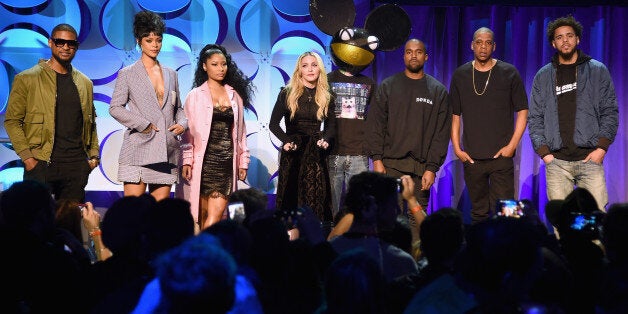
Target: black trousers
[
  {"x": 66, "y": 180},
  {"x": 488, "y": 180}
]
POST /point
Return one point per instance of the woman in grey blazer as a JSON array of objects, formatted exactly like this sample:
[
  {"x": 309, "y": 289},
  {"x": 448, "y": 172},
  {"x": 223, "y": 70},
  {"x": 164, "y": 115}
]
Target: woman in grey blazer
[{"x": 146, "y": 101}]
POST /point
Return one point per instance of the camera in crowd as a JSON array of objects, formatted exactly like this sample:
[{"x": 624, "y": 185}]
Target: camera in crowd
[
  {"x": 510, "y": 208},
  {"x": 236, "y": 211},
  {"x": 286, "y": 215},
  {"x": 399, "y": 185},
  {"x": 588, "y": 225}
]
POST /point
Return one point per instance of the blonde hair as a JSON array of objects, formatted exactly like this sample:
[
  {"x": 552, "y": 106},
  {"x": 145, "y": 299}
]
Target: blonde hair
[{"x": 295, "y": 88}]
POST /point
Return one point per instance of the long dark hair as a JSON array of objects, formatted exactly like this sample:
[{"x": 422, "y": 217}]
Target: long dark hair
[{"x": 234, "y": 77}]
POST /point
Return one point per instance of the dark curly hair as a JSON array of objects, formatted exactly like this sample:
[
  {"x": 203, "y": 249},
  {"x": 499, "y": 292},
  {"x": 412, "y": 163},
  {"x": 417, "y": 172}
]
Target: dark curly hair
[
  {"x": 234, "y": 77},
  {"x": 563, "y": 21},
  {"x": 146, "y": 22}
]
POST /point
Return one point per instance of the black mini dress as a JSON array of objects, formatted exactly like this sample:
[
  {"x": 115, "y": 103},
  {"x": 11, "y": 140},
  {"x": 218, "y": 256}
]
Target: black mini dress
[{"x": 217, "y": 171}]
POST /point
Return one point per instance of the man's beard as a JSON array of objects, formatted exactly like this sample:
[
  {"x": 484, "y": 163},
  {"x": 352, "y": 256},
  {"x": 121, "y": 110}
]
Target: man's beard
[
  {"x": 414, "y": 69},
  {"x": 65, "y": 63},
  {"x": 567, "y": 55}
]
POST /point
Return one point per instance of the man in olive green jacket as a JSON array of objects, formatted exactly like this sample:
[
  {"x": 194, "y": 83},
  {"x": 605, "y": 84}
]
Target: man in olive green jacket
[{"x": 51, "y": 120}]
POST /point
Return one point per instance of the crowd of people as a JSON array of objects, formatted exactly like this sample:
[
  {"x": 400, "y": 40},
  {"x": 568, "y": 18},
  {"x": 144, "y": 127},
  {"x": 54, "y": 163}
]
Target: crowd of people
[
  {"x": 340, "y": 238},
  {"x": 153, "y": 261}
]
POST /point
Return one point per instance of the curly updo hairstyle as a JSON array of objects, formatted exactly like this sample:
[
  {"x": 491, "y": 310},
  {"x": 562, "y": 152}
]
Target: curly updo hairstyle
[{"x": 146, "y": 22}]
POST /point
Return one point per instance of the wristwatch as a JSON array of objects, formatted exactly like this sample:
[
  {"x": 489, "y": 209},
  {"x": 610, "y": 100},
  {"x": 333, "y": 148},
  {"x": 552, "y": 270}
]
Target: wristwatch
[{"x": 95, "y": 159}]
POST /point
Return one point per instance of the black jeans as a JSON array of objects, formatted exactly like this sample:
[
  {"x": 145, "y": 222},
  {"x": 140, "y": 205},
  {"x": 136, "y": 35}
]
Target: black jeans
[{"x": 66, "y": 180}]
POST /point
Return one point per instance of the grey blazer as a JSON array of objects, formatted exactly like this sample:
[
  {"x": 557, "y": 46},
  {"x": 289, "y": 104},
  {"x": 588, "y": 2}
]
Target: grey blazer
[{"x": 134, "y": 104}]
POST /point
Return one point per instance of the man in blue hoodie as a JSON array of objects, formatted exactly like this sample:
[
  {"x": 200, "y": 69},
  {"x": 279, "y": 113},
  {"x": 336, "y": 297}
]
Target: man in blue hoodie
[{"x": 573, "y": 115}]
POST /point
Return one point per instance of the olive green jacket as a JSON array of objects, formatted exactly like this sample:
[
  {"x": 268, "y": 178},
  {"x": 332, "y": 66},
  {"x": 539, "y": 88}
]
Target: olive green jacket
[{"x": 30, "y": 116}]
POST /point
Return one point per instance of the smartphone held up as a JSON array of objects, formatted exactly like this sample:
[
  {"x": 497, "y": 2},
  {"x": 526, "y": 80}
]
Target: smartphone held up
[
  {"x": 509, "y": 208},
  {"x": 236, "y": 211}
]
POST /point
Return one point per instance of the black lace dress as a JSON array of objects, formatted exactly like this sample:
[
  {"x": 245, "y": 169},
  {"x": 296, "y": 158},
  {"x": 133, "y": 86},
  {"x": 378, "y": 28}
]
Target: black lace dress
[
  {"x": 303, "y": 177},
  {"x": 217, "y": 171}
]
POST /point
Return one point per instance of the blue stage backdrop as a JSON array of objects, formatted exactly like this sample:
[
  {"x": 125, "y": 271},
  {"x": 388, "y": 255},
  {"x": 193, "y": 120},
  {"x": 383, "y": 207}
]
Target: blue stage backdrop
[{"x": 266, "y": 36}]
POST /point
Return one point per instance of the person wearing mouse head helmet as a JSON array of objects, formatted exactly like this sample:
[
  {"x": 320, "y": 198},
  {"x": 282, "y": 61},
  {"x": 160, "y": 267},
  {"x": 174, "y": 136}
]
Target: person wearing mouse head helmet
[{"x": 353, "y": 50}]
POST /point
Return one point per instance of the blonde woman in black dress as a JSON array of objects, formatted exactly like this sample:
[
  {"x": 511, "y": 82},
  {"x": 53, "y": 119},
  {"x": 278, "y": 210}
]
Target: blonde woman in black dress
[{"x": 304, "y": 104}]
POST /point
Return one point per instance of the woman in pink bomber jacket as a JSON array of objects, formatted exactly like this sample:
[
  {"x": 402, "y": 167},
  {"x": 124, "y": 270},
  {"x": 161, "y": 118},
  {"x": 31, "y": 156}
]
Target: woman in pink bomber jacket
[{"x": 215, "y": 154}]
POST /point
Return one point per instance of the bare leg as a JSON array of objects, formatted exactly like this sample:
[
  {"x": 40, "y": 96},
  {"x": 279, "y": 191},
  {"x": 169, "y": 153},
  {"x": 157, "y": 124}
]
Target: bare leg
[
  {"x": 134, "y": 189},
  {"x": 216, "y": 205},
  {"x": 202, "y": 211},
  {"x": 160, "y": 191}
]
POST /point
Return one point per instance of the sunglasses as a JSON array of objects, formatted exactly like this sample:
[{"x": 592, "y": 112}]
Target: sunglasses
[{"x": 72, "y": 44}]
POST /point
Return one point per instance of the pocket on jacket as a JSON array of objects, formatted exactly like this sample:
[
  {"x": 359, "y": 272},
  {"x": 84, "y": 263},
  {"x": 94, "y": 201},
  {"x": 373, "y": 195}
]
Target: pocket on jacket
[
  {"x": 173, "y": 140},
  {"x": 173, "y": 98},
  {"x": 136, "y": 137},
  {"x": 34, "y": 128},
  {"x": 147, "y": 136}
]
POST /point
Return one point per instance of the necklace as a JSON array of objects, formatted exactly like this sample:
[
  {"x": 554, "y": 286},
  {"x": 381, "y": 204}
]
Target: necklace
[
  {"x": 309, "y": 94},
  {"x": 487, "y": 79}
]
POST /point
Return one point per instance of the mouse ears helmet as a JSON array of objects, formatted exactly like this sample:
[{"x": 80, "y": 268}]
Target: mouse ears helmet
[{"x": 352, "y": 49}]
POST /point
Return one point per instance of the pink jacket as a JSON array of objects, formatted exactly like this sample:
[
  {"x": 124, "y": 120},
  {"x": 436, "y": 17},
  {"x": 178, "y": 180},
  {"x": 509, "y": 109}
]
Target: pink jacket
[{"x": 198, "y": 109}]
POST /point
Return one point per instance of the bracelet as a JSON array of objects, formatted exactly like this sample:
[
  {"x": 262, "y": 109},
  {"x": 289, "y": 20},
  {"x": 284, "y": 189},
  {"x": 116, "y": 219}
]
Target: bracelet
[
  {"x": 96, "y": 232},
  {"x": 416, "y": 208}
]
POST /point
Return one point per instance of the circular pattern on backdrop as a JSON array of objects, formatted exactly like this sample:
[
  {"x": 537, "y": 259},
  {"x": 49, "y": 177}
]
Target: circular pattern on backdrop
[
  {"x": 298, "y": 42},
  {"x": 5, "y": 69},
  {"x": 256, "y": 39},
  {"x": 24, "y": 7},
  {"x": 169, "y": 9},
  {"x": 26, "y": 35},
  {"x": 293, "y": 11},
  {"x": 207, "y": 23},
  {"x": 107, "y": 69},
  {"x": 116, "y": 28},
  {"x": 110, "y": 151}
]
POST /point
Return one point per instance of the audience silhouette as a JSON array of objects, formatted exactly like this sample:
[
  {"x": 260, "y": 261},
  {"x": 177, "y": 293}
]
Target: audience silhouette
[
  {"x": 198, "y": 276},
  {"x": 127, "y": 269},
  {"x": 38, "y": 274},
  {"x": 442, "y": 237},
  {"x": 159, "y": 265},
  {"x": 614, "y": 286},
  {"x": 354, "y": 283},
  {"x": 372, "y": 199}
]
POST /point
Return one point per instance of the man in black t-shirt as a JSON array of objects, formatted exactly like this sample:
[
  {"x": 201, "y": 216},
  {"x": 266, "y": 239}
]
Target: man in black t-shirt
[
  {"x": 51, "y": 119},
  {"x": 486, "y": 93}
]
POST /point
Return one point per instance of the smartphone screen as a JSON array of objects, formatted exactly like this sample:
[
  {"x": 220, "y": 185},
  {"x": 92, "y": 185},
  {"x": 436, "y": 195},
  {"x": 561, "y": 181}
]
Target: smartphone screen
[
  {"x": 509, "y": 208},
  {"x": 586, "y": 224},
  {"x": 236, "y": 211},
  {"x": 582, "y": 221}
]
